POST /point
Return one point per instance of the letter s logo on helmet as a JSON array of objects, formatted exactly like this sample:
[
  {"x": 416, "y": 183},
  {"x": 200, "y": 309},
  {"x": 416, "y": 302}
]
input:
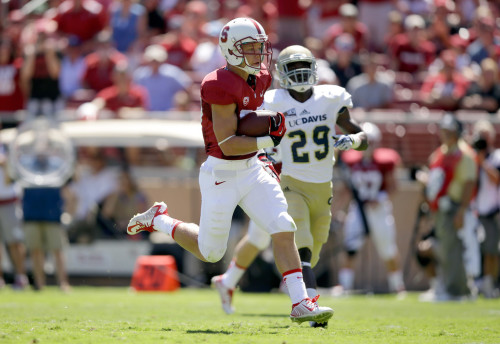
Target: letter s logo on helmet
[
  {"x": 223, "y": 34},
  {"x": 241, "y": 31}
]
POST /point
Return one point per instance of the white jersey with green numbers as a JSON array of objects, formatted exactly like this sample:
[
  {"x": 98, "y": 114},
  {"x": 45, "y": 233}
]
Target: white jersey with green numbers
[{"x": 307, "y": 148}]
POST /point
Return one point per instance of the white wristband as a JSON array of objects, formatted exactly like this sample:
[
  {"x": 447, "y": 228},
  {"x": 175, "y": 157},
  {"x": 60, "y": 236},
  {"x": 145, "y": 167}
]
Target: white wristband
[
  {"x": 264, "y": 142},
  {"x": 356, "y": 140}
]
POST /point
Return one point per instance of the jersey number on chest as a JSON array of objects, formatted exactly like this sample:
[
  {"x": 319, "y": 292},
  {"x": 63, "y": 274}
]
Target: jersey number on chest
[{"x": 320, "y": 138}]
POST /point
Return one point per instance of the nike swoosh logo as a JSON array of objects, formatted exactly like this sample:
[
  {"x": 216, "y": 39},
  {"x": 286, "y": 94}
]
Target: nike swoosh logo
[
  {"x": 309, "y": 308},
  {"x": 218, "y": 183}
]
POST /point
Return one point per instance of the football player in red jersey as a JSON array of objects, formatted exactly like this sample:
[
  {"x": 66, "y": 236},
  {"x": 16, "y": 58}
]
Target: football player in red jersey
[
  {"x": 232, "y": 174},
  {"x": 372, "y": 173},
  {"x": 312, "y": 113}
]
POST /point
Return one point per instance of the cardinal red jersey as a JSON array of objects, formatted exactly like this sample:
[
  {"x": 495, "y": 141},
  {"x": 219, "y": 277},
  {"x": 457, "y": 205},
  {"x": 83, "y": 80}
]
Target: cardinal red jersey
[
  {"x": 136, "y": 97},
  {"x": 368, "y": 175},
  {"x": 11, "y": 95},
  {"x": 442, "y": 167},
  {"x": 223, "y": 87}
]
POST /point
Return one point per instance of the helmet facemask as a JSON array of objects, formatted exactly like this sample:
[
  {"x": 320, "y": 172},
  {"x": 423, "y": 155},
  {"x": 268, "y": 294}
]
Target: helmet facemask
[{"x": 298, "y": 79}]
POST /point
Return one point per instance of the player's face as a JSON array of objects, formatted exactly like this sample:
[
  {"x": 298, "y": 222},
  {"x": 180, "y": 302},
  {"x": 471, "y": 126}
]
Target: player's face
[
  {"x": 299, "y": 77},
  {"x": 253, "y": 53}
]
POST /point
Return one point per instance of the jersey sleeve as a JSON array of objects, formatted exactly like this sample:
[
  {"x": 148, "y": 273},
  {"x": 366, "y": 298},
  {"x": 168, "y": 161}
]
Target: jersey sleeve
[
  {"x": 215, "y": 92},
  {"x": 338, "y": 96},
  {"x": 345, "y": 99}
]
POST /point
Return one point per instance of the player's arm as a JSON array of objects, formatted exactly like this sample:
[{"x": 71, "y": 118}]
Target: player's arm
[
  {"x": 225, "y": 123},
  {"x": 354, "y": 137}
]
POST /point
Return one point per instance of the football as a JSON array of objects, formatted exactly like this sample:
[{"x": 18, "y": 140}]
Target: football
[{"x": 255, "y": 123}]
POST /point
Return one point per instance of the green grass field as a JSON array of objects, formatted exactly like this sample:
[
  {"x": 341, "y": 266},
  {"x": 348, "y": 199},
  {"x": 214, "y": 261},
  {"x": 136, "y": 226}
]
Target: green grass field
[{"x": 116, "y": 315}]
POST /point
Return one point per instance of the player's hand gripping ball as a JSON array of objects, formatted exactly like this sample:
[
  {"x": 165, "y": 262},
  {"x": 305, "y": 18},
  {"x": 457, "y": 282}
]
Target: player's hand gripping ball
[{"x": 258, "y": 123}]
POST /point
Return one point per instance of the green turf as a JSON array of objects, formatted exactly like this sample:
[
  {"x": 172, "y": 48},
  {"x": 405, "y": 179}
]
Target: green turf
[{"x": 115, "y": 315}]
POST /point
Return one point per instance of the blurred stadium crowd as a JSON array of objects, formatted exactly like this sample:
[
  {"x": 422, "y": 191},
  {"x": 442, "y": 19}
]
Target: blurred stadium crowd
[
  {"x": 398, "y": 54},
  {"x": 99, "y": 59}
]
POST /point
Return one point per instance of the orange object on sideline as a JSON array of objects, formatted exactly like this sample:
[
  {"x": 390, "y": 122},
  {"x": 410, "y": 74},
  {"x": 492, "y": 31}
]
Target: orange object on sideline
[{"x": 155, "y": 273}]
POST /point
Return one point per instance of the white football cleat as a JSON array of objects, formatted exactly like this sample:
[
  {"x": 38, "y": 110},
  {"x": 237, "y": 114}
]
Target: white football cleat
[
  {"x": 225, "y": 293},
  {"x": 145, "y": 221},
  {"x": 308, "y": 310}
]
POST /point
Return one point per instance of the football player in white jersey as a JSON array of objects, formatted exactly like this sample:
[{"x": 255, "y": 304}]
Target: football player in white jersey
[{"x": 307, "y": 151}]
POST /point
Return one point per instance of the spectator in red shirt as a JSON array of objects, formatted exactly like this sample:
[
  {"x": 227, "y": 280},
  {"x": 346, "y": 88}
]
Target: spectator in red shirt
[
  {"x": 123, "y": 95},
  {"x": 81, "y": 18},
  {"x": 40, "y": 72},
  {"x": 121, "y": 99},
  {"x": 349, "y": 24},
  {"x": 11, "y": 95},
  {"x": 100, "y": 64},
  {"x": 445, "y": 89},
  {"x": 411, "y": 51},
  {"x": 179, "y": 46}
]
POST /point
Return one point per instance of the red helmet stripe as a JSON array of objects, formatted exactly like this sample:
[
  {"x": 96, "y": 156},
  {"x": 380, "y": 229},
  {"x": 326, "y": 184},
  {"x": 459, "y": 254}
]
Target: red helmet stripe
[{"x": 256, "y": 25}]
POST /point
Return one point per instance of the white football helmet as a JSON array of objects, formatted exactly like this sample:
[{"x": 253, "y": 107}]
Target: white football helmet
[
  {"x": 372, "y": 132},
  {"x": 297, "y": 79},
  {"x": 241, "y": 31}
]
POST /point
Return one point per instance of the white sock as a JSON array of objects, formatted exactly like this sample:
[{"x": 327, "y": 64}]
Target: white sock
[
  {"x": 395, "y": 280},
  {"x": 165, "y": 224},
  {"x": 312, "y": 293},
  {"x": 295, "y": 283},
  {"x": 346, "y": 278},
  {"x": 233, "y": 275}
]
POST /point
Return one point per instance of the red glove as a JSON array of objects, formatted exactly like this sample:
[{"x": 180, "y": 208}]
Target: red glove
[
  {"x": 268, "y": 165},
  {"x": 277, "y": 128}
]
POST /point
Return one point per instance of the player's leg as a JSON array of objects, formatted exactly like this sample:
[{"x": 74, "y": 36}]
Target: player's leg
[
  {"x": 320, "y": 199},
  {"x": 34, "y": 243},
  {"x": 208, "y": 241},
  {"x": 471, "y": 249},
  {"x": 14, "y": 238},
  {"x": 354, "y": 238},
  {"x": 266, "y": 205},
  {"x": 56, "y": 240},
  {"x": 450, "y": 256},
  {"x": 296, "y": 195},
  {"x": 157, "y": 218},
  {"x": 245, "y": 253},
  {"x": 489, "y": 248},
  {"x": 383, "y": 232}
]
